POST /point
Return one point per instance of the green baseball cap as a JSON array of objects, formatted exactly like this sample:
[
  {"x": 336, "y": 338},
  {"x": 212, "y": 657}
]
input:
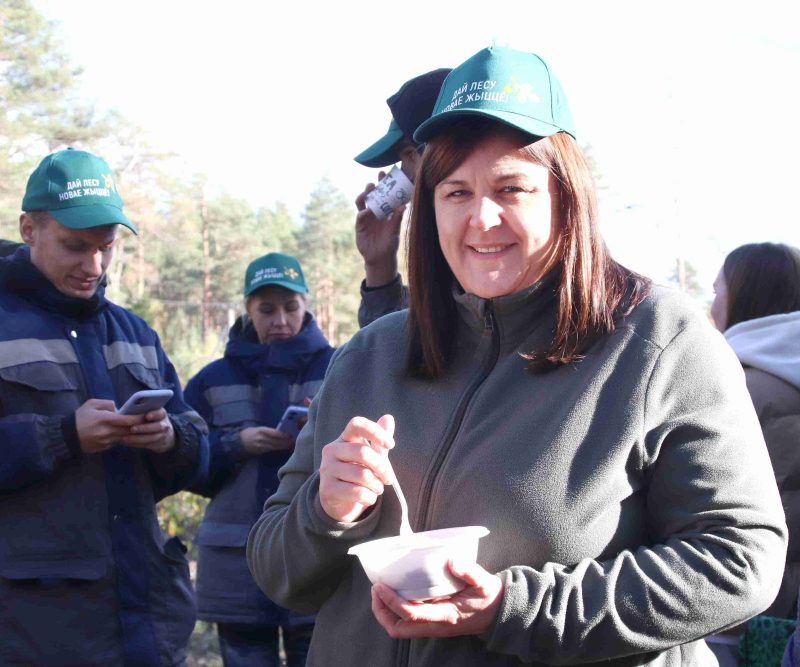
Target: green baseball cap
[
  {"x": 274, "y": 268},
  {"x": 77, "y": 189},
  {"x": 384, "y": 151},
  {"x": 513, "y": 87}
]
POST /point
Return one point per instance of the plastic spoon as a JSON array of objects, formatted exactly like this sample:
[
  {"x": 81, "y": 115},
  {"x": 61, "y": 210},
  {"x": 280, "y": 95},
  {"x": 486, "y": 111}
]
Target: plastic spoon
[
  {"x": 387, "y": 422},
  {"x": 405, "y": 526}
]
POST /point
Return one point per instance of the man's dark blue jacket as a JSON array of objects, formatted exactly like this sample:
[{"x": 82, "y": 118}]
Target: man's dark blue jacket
[
  {"x": 86, "y": 576},
  {"x": 251, "y": 386}
]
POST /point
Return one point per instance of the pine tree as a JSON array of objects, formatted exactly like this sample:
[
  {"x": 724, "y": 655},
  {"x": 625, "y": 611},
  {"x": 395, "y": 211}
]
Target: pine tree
[
  {"x": 330, "y": 261},
  {"x": 38, "y": 109},
  {"x": 276, "y": 229}
]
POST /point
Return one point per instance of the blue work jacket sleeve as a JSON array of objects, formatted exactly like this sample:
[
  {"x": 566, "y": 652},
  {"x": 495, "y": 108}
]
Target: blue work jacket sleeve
[
  {"x": 187, "y": 461},
  {"x": 225, "y": 447},
  {"x": 34, "y": 448}
]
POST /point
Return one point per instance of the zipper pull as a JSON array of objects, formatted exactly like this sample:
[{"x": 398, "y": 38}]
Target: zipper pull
[{"x": 488, "y": 318}]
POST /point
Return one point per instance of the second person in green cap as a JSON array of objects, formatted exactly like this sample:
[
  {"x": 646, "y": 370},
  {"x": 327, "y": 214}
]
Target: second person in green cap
[{"x": 276, "y": 357}]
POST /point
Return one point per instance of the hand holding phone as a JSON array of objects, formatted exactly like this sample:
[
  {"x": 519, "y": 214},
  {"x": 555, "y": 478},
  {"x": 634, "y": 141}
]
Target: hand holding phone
[
  {"x": 146, "y": 400},
  {"x": 294, "y": 418}
]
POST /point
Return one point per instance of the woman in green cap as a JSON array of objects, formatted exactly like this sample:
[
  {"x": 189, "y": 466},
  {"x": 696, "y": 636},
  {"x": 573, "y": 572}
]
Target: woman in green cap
[
  {"x": 276, "y": 357},
  {"x": 596, "y": 425}
]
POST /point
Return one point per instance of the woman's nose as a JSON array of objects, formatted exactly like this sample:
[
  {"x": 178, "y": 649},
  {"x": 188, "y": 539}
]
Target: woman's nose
[{"x": 487, "y": 213}]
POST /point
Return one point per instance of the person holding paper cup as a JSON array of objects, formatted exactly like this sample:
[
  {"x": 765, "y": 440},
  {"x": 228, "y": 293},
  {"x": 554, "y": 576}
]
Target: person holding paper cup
[
  {"x": 381, "y": 206},
  {"x": 596, "y": 425},
  {"x": 275, "y": 357}
]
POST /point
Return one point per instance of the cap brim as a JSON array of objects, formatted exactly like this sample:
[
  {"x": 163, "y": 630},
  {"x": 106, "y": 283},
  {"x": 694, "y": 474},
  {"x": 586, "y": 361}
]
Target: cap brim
[
  {"x": 383, "y": 152},
  {"x": 91, "y": 215},
  {"x": 290, "y": 286},
  {"x": 536, "y": 128}
]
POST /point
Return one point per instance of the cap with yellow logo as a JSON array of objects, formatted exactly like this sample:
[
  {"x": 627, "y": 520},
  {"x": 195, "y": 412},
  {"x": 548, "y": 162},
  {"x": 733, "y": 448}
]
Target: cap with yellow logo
[
  {"x": 513, "y": 87},
  {"x": 274, "y": 268},
  {"x": 77, "y": 189}
]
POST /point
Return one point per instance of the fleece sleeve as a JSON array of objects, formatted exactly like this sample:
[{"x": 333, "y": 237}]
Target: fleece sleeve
[
  {"x": 714, "y": 517},
  {"x": 295, "y": 551}
]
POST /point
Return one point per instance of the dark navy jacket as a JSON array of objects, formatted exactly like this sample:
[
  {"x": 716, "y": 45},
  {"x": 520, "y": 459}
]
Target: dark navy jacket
[
  {"x": 251, "y": 386},
  {"x": 86, "y": 576}
]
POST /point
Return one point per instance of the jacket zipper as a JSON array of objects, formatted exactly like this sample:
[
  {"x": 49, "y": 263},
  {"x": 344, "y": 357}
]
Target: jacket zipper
[{"x": 490, "y": 323}]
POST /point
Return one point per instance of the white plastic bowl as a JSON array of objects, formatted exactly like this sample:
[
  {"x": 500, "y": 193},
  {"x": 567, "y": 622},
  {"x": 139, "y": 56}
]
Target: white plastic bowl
[{"x": 416, "y": 565}]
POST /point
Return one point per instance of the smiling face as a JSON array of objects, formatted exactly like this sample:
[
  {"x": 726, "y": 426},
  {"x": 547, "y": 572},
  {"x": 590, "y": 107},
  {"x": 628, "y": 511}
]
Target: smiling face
[
  {"x": 73, "y": 260},
  {"x": 276, "y": 312},
  {"x": 495, "y": 218}
]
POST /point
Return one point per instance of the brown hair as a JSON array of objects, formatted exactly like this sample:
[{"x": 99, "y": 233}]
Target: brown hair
[
  {"x": 593, "y": 291},
  {"x": 762, "y": 279}
]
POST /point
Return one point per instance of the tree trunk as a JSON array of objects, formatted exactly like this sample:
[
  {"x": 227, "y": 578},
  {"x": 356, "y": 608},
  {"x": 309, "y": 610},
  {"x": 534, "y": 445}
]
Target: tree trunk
[{"x": 205, "y": 314}]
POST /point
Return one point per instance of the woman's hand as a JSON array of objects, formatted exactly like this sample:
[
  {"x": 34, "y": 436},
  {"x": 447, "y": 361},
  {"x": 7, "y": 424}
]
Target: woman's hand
[
  {"x": 354, "y": 468},
  {"x": 258, "y": 440},
  {"x": 468, "y": 612}
]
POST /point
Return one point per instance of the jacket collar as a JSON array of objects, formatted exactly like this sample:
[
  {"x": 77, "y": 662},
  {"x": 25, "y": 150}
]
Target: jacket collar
[
  {"x": 517, "y": 315},
  {"x": 19, "y": 276},
  {"x": 290, "y": 354}
]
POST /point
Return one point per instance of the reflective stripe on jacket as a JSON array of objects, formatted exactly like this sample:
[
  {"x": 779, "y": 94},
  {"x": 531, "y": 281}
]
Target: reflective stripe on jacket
[
  {"x": 251, "y": 386},
  {"x": 86, "y": 575}
]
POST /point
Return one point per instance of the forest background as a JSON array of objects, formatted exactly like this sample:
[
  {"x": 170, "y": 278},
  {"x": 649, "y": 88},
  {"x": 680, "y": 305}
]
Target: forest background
[{"x": 183, "y": 272}]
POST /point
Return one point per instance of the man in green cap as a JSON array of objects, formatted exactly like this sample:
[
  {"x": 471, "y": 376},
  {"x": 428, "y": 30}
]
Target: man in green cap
[
  {"x": 86, "y": 575},
  {"x": 378, "y": 240}
]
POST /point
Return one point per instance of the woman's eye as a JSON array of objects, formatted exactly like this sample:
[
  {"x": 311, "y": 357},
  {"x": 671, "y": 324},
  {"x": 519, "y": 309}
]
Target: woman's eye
[
  {"x": 456, "y": 193},
  {"x": 512, "y": 188}
]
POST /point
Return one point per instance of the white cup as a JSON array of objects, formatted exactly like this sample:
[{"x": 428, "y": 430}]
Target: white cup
[
  {"x": 391, "y": 192},
  {"x": 416, "y": 565}
]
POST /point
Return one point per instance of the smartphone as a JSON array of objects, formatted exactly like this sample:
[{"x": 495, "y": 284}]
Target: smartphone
[
  {"x": 146, "y": 401},
  {"x": 294, "y": 417}
]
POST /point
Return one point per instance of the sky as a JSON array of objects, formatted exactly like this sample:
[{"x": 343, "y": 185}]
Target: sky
[{"x": 691, "y": 109}]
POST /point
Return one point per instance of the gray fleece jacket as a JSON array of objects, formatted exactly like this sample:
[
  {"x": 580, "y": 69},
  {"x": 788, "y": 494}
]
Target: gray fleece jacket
[{"x": 630, "y": 498}]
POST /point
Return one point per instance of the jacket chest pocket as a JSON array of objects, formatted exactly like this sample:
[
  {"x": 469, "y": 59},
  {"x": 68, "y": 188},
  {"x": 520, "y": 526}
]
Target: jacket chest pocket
[
  {"x": 234, "y": 405},
  {"x": 133, "y": 367},
  {"x": 43, "y": 387}
]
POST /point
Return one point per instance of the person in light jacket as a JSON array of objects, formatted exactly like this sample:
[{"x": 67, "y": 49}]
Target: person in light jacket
[
  {"x": 757, "y": 307},
  {"x": 599, "y": 427}
]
